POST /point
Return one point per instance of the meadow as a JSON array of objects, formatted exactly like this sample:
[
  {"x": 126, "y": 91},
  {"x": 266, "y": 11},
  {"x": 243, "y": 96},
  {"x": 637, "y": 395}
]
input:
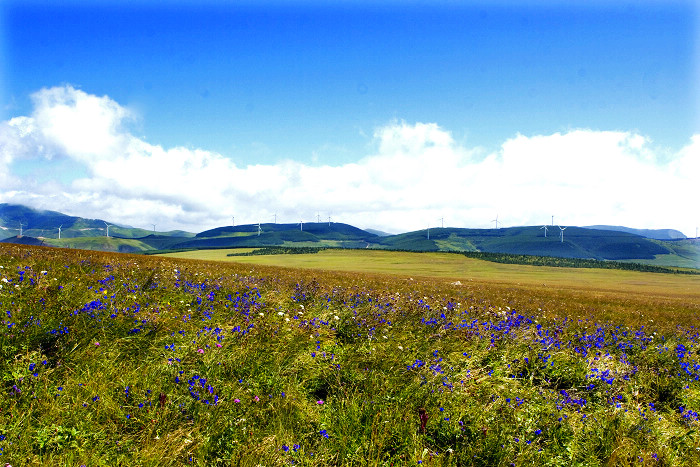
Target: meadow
[{"x": 400, "y": 359}]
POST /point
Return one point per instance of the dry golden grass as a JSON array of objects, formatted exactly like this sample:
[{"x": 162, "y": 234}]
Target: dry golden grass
[{"x": 630, "y": 297}]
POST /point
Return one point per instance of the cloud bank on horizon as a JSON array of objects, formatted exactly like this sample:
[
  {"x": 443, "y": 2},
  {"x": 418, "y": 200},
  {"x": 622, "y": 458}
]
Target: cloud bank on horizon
[{"x": 415, "y": 176}]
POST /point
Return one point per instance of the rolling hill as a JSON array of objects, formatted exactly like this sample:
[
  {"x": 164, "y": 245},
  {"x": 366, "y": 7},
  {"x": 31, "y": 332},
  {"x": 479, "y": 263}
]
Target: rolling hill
[
  {"x": 578, "y": 242},
  {"x": 45, "y": 225},
  {"x": 333, "y": 234},
  {"x": 656, "y": 234},
  {"x": 608, "y": 243}
]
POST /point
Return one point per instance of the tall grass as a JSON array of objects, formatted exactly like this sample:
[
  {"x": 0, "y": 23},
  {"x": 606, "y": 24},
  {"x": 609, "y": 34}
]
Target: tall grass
[{"x": 118, "y": 359}]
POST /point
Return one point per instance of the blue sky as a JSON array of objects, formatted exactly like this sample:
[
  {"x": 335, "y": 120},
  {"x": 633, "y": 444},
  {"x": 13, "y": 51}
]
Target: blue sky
[{"x": 276, "y": 84}]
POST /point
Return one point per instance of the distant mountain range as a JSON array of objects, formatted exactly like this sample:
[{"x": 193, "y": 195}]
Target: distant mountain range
[
  {"x": 660, "y": 247},
  {"x": 658, "y": 234},
  {"x": 45, "y": 224}
]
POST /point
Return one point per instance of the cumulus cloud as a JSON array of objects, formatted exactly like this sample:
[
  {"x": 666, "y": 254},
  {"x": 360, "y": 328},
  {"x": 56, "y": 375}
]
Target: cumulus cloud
[{"x": 416, "y": 174}]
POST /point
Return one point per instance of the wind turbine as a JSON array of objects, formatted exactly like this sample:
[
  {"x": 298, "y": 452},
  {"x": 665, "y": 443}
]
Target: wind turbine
[
  {"x": 233, "y": 221},
  {"x": 20, "y": 229},
  {"x": 428, "y": 232},
  {"x": 275, "y": 218},
  {"x": 562, "y": 232},
  {"x": 59, "y": 231},
  {"x": 301, "y": 225},
  {"x": 318, "y": 217},
  {"x": 496, "y": 221},
  {"x": 259, "y": 229},
  {"x": 154, "y": 229},
  {"x": 545, "y": 230},
  {"x": 108, "y": 226},
  {"x": 442, "y": 222},
  {"x": 329, "y": 221}
]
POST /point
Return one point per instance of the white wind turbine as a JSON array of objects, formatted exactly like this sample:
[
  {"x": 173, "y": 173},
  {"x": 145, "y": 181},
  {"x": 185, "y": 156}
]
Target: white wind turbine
[
  {"x": 20, "y": 229},
  {"x": 301, "y": 225},
  {"x": 562, "y": 229},
  {"x": 108, "y": 226},
  {"x": 259, "y": 229},
  {"x": 545, "y": 230},
  {"x": 496, "y": 221},
  {"x": 59, "y": 231}
]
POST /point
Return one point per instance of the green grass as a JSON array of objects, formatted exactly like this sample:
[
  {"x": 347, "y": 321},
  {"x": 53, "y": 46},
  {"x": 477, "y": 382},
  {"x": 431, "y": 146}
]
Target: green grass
[
  {"x": 112, "y": 359},
  {"x": 458, "y": 267},
  {"x": 125, "y": 245}
]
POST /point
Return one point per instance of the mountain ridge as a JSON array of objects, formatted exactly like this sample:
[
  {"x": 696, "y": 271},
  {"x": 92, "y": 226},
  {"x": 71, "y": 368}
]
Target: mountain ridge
[
  {"x": 607, "y": 244},
  {"x": 656, "y": 234}
]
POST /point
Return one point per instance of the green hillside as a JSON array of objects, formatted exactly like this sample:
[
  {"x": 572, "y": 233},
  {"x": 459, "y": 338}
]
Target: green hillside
[
  {"x": 45, "y": 224},
  {"x": 607, "y": 243},
  {"x": 577, "y": 242},
  {"x": 312, "y": 234},
  {"x": 23, "y": 240},
  {"x": 322, "y": 230},
  {"x": 683, "y": 253},
  {"x": 120, "y": 245}
]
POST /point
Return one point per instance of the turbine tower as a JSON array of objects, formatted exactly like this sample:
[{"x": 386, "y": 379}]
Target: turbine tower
[
  {"x": 442, "y": 222},
  {"x": 318, "y": 217},
  {"x": 329, "y": 221},
  {"x": 496, "y": 221},
  {"x": 233, "y": 221},
  {"x": 562, "y": 229},
  {"x": 154, "y": 229},
  {"x": 20, "y": 229},
  {"x": 59, "y": 231},
  {"x": 107, "y": 228},
  {"x": 259, "y": 229},
  {"x": 545, "y": 230},
  {"x": 301, "y": 225},
  {"x": 428, "y": 232}
]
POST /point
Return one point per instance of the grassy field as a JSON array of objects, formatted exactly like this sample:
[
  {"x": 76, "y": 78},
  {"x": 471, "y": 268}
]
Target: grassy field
[
  {"x": 646, "y": 289},
  {"x": 103, "y": 243},
  {"x": 116, "y": 359}
]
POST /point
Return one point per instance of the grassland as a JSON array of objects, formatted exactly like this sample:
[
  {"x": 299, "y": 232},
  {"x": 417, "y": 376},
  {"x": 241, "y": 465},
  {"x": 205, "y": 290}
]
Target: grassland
[
  {"x": 459, "y": 268},
  {"x": 114, "y": 359},
  {"x": 123, "y": 245}
]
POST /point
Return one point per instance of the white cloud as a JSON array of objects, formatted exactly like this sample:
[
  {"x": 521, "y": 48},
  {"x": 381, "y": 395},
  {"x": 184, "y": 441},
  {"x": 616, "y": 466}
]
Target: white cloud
[
  {"x": 416, "y": 175},
  {"x": 80, "y": 125}
]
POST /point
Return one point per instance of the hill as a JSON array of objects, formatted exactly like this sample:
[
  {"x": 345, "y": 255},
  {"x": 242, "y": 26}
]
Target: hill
[
  {"x": 45, "y": 224},
  {"x": 333, "y": 234},
  {"x": 656, "y": 234},
  {"x": 577, "y": 242},
  {"x": 606, "y": 243},
  {"x": 119, "y": 245},
  {"x": 23, "y": 240}
]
